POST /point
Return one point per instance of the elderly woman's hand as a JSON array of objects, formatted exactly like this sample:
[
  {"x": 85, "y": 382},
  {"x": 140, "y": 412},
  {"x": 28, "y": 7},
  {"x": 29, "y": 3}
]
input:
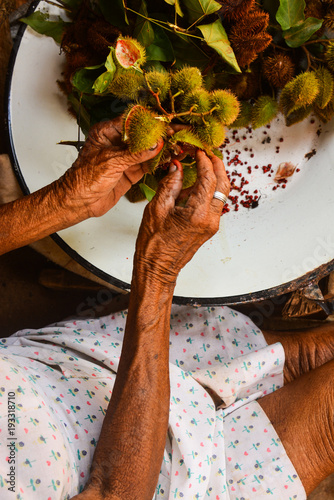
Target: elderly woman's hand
[
  {"x": 104, "y": 171},
  {"x": 170, "y": 234}
]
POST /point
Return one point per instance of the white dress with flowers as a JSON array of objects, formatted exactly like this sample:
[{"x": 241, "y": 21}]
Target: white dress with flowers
[{"x": 61, "y": 379}]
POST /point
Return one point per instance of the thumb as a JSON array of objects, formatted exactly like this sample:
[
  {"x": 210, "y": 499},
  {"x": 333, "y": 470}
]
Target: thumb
[{"x": 170, "y": 187}]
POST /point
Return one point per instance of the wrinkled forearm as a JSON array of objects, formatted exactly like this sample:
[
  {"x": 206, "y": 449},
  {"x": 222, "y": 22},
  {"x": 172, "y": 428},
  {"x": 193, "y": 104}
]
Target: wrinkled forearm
[
  {"x": 35, "y": 216},
  {"x": 129, "y": 453}
]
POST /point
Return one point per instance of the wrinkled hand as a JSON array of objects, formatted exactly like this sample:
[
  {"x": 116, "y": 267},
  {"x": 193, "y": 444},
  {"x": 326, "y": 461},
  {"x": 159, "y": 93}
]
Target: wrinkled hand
[
  {"x": 104, "y": 171},
  {"x": 169, "y": 234}
]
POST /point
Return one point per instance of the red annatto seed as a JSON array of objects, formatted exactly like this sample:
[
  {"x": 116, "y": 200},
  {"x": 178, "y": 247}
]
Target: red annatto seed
[
  {"x": 256, "y": 166},
  {"x": 281, "y": 139},
  {"x": 297, "y": 169},
  {"x": 274, "y": 188},
  {"x": 312, "y": 121},
  {"x": 256, "y": 191},
  {"x": 252, "y": 155}
]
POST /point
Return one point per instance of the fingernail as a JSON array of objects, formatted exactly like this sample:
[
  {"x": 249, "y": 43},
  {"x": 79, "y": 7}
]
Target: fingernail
[
  {"x": 172, "y": 168},
  {"x": 154, "y": 147}
]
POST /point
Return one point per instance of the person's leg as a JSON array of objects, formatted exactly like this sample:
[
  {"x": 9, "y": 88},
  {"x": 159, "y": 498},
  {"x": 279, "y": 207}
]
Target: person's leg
[
  {"x": 302, "y": 414},
  {"x": 304, "y": 350}
]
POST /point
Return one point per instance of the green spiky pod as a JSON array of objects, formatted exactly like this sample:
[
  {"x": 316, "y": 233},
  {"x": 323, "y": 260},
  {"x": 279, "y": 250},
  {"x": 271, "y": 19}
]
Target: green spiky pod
[
  {"x": 189, "y": 176},
  {"x": 299, "y": 92},
  {"x": 226, "y": 104},
  {"x": 212, "y": 132},
  {"x": 127, "y": 86},
  {"x": 197, "y": 101},
  {"x": 158, "y": 82},
  {"x": 264, "y": 111},
  {"x": 142, "y": 129},
  {"x": 245, "y": 85},
  {"x": 298, "y": 115},
  {"x": 244, "y": 117},
  {"x": 326, "y": 87},
  {"x": 186, "y": 80},
  {"x": 329, "y": 55},
  {"x": 286, "y": 103},
  {"x": 327, "y": 113},
  {"x": 187, "y": 137},
  {"x": 218, "y": 153}
]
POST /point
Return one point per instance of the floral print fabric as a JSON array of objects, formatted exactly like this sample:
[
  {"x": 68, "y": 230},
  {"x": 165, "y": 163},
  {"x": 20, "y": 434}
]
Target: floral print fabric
[{"x": 220, "y": 444}]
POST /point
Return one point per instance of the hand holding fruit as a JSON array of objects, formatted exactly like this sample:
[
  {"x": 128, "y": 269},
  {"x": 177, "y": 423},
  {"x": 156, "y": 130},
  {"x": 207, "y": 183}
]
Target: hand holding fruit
[
  {"x": 104, "y": 171},
  {"x": 170, "y": 235}
]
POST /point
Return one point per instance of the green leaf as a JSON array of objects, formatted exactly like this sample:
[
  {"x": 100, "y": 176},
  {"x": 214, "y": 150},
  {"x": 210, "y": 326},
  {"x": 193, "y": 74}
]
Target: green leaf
[
  {"x": 296, "y": 36},
  {"x": 83, "y": 79},
  {"x": 102, "y": 82},
  {"x": 216, "y": 37},
  {"x": 143, "y": 29},
  {"x": 187, "y": 137},
  {"x": 148, "y": 192},
  {"x": 182, "y": 45},
  {"x": 197, "y": 9},
  {"x": 176, "y": 3},
  {"x": 290, "y": 13},
  {"x": 114, "y": 12},
  {"x": 161, "y": 49},
  {"x": 110, "y": 64},
  {"x": 39, "y": 22}
]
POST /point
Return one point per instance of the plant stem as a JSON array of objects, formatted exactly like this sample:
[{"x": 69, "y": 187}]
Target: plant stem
[
  {"x": 172, "y": 101},
  {"x": 279, "y": 47},
  {"x": 190, "y": 112},
  {"x": 172, "y": 28},
  {"x": 308, "y": 57},
  {"x": 321, "y": 40},
  {"x": 156, "y": 96}
]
